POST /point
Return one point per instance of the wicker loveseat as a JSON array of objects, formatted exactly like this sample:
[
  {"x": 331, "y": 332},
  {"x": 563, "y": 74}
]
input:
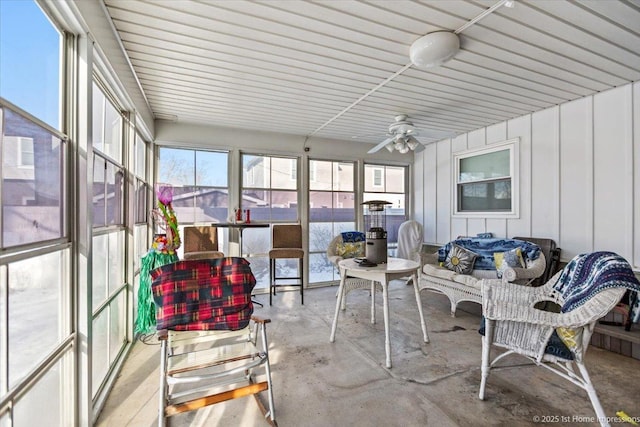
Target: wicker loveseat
[{"x": 460, "y": 287}]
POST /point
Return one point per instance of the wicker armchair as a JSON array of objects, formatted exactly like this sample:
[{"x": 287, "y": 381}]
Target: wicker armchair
[
  {"x": 351, "y": 283},
  {"x": 552, "y": 325}
]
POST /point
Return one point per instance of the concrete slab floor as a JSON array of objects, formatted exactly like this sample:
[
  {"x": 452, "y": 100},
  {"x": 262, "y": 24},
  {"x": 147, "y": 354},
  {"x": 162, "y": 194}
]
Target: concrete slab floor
[{"x": 318, "y": 383}]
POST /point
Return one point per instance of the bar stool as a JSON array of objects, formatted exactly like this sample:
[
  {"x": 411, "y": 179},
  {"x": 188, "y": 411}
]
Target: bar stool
[{"x": 286, "y": 243}]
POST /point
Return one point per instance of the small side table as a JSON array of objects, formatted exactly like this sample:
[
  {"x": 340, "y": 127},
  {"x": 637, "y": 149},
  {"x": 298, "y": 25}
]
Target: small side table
[{"x": 395, "y": 268}]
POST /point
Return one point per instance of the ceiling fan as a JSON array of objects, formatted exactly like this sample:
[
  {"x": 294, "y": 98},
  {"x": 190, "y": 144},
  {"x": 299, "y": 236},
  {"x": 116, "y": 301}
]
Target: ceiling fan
[{"x": 402, "y": 136}]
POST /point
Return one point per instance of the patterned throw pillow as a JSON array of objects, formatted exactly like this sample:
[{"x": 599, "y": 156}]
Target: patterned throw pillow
[
  {"x": 350, "y": 249},
  {"x": 504, "y": 260},
  {"x": 460, "y": 259}
]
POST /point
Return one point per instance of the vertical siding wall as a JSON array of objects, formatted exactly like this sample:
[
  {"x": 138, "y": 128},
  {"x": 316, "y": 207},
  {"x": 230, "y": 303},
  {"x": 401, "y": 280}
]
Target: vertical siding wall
[{"x": 579, "y": 170}]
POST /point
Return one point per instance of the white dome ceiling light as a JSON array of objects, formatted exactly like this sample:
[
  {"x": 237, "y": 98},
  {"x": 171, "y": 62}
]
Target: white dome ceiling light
[{"x": 434, "y": 49}]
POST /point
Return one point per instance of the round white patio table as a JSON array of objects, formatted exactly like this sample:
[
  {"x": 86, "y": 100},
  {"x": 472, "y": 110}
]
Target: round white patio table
[{"x": 395, "y": 268}]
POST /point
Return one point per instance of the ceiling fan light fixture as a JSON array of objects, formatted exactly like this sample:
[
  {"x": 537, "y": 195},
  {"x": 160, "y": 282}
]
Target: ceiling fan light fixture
[
  {"x": 389, "y": 147},
  {"x": 434, "y": 49},
  {"x": 412, "y": 143}
]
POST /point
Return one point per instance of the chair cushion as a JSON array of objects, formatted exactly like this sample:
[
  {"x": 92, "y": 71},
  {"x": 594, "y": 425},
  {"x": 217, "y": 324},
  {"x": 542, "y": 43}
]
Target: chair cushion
[
  {"x": 440, "y": 272},
  {"x": 353, "y": 236},
  {"x": 511, "y": 258},
  {"x": 211, "y": 294},
  {"x": 286, "y": 253},
  {"x": 460, "y": 260},
  {"x": 350, "y": 249},
  {"x": 485, "y": 248}
]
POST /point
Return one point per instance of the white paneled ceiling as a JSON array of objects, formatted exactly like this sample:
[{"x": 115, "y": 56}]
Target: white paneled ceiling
[{"x": 338, "y": 68}]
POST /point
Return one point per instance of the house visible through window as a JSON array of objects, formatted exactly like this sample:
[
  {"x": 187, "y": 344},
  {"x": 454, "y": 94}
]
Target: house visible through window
[{"x": 485, "y": 181}]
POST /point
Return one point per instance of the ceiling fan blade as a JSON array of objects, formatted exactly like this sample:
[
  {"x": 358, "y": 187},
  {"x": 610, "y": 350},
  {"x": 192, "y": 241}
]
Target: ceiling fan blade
[{"x": 382, "y": 144}]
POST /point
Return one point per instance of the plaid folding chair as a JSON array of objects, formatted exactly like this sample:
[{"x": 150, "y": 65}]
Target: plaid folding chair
[{"x": 209, "y": 346}]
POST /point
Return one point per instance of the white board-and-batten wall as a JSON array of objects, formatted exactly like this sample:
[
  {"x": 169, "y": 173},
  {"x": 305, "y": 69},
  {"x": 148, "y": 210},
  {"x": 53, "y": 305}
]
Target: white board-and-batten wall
[{"x": 579, "y": 177}]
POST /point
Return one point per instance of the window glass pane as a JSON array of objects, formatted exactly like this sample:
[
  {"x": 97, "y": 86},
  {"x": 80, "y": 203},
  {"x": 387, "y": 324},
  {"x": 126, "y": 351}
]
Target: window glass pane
[
  {"x": 373, "y": 178},
  {"x": 284, "y": 206},
  {"x": 117, "y": 326},
  {"x": 107, "y": 122},
  {"x": 259, "y": 202},
  {"x": 98, "y": 104},
  {"x": 30, "y": 60},
  {"x": 320, "y": 234},
  {"x": 99, "y": 192},
  {"x": 485, "y": 166},
  {"x": 256, "y": 241},
  {"x": 343, "y": 177},
  {"x": 140, "y": 153},
  {"x": 46, "y": 395},
  {"x": 31, "y": 194},
  {"x": 320, "y": 269},
  {"x": 320, "y": 206},
  {"x": 256, "y": 171},
  {"x": 344, "y": 207},
  {"x": 281, "y": 173},
  {"x": 211, "y": 169},
  {"x": 184, "y": 204},
  {"x": 176, "y": 167},
  {"x": 115, "y": 194},
  {"x": 485, "y": 196},
  {"x": 208, "y": 199},
  {"x": 141, "y": 197},
  {"x": 329, "y": 211},
  {"x": 140, "y": 243},
  {"x": 35, "y": 314},
  {"x": 99, "y": 269},
  {"x": 99, "y": 350},
  {"x": 394, "y": 179},
  {"x": 323, "y": 175},
  {"x": 116, "y": 260},
  {"x": 212, "y": 204}
]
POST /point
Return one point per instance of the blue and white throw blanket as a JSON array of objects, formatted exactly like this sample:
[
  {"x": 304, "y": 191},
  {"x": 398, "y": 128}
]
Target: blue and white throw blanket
[
  {"x": 485, "y": 249},
  {"x": 353, "y": 236},
  {"x": 587, "y": 274}
]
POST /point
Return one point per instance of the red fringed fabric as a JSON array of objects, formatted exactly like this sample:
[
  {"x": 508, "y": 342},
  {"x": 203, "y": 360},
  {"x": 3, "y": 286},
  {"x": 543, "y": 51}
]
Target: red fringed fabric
[{"x": 209, "y": 294}]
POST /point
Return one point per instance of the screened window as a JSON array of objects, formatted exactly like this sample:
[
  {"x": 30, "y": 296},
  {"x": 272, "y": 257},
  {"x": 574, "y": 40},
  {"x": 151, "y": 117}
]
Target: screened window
[
  {"x": 200, "y": 184},
  {"x": 267, "y": 188},
  {"x": 30, "y": 61},
  {"x": 485, "y": 181},
  {"x": 387, "y": 183},
  {"x": 141, "y": 187},
  {"x": 36, "y": 357},
  {"x": 272, "y": 196},
  {"x": 331, "y": 210},
  {"x": 32, "y": 206},
  {"x": 109, "y": 248}
]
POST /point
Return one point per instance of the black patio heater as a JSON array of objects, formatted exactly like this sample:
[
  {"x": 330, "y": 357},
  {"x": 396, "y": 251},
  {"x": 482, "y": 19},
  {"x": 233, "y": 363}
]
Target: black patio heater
[{"x": 376, "y": 236}]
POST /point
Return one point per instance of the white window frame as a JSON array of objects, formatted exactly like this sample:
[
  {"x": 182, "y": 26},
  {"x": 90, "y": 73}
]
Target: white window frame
[
  {"x": 22, "y": 142},
  {"x": 514, "y": 159}
]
